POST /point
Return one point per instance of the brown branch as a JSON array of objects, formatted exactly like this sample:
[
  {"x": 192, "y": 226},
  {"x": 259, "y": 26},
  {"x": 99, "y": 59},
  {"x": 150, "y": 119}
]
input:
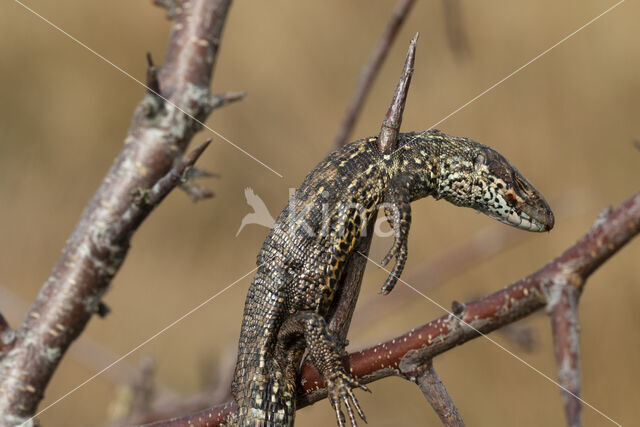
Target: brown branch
[
  {"x": 345, "y": 300},
  {"x": 346, "y": 297},
  {"x": 425, "y": 377},
  {"x": 393, "y": 119},
  {"x": 564, "y": 324},
  {"x": 484, "y": 315},
  {"x": 370, "y": 71},
  {"x": 159, "y": 133}
]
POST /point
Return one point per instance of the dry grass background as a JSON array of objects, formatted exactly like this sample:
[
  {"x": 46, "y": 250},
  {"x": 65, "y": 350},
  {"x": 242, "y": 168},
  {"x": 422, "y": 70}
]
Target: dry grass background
[{"x": 567, "y": 121}]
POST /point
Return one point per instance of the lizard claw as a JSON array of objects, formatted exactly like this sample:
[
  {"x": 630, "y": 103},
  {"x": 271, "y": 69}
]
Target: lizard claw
[
  {"x": 401, "y": 258},
  {"x": 340, "y": 391}
]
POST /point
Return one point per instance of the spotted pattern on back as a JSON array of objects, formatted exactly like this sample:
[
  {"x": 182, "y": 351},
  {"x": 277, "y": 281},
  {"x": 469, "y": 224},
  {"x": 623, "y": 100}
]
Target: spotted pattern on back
[{"x": 303, "y": 257}]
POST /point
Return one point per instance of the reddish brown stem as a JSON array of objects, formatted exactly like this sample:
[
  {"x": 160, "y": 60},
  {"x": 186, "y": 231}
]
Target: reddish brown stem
[
  {"x": 564, "y": 324},
  {"x": 159, "y": 133},
  {"x": 370, "y": 71}
]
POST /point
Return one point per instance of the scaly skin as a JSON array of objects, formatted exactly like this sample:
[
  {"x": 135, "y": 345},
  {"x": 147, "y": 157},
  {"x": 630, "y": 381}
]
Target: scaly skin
[{"x": 303, "y": 257}]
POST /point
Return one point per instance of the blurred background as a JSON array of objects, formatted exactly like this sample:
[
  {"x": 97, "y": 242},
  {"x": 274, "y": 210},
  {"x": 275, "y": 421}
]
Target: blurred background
[{"x": 567, "y": 121}]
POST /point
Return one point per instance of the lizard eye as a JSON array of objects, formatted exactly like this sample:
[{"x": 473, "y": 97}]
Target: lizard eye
[{"x": 479, "y": 161}]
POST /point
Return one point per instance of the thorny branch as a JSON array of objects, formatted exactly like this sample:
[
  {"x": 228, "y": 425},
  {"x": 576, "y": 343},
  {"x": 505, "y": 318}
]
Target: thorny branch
[
  {"x": 341, "y": 312},
  {"x": 159, "y": 134},
  {"x": 370, "y": 71},
  {"x": 483, "y": 315}
]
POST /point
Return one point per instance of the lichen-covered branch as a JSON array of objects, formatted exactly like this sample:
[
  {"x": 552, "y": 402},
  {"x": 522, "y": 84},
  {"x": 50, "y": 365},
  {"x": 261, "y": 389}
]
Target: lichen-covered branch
[
  {"x": 370, "y": 71},
  {"x": 425, "y": 377},
  {"x": 563, "y": 309},
  {"x": 159, "y": 133}
]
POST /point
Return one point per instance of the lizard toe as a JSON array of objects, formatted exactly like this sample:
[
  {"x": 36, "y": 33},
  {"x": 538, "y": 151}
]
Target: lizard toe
[{"x": 340, "y": 392}]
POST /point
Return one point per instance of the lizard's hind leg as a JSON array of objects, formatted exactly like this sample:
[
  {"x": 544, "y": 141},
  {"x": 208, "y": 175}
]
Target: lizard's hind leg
[{"x": 325, "y": 356}]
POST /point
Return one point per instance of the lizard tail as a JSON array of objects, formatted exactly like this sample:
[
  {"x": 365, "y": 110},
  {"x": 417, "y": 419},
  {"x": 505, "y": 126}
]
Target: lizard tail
[{"x": 270, "y": 405}]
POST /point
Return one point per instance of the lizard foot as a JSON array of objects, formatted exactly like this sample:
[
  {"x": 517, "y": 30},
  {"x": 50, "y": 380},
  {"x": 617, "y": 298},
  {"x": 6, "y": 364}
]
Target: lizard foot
[
  {"x": 401, "y": 258},
  {"x": 339, "y": 386}
]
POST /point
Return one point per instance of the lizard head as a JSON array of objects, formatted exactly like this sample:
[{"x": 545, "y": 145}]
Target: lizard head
[{"x": 479, "y": 177}]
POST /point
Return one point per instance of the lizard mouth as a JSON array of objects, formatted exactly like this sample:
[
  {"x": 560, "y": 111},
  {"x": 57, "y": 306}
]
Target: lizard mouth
[
  {"x": 531, "y": 212},
  {"x": 532, "y": 221}
]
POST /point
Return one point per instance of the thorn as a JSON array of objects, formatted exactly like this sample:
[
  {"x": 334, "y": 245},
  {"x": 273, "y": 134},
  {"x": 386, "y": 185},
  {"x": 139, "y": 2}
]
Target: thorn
[
  {"x": 388, "y": 137},
  {"x": 103, "y": 310},
  {"x": 201, "y": 173},
  {"x": 153, "y": 84},
  {"x": 169, "y": 5},
  {"x": 191, "y": 158},
  {"x": 222, "y": 99},
  {"x": 603, "y": 215},
  {"x": 196, "y": 192},
  {"x": 457, "y": 308}
]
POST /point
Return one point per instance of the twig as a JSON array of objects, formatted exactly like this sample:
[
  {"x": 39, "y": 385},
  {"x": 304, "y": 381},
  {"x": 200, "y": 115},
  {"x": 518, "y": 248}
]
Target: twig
[
  {"x": 143, "y": 387},
  {"x": 521, "y": 336},
  {"x": 216, "y": 375},
  {"x": 146, "y": 200},
  {"x": 159, "y": 134},
  {"x": 434, "y": 391},
  {"x": 346, "y": 297},
  {"x": 370, "y": 71},
  {"x": 456, "y": 31},
  {"x": 564, "y": 324},
  {"x": 345, "y": 300},
  {"x": 484, "y": 315},
  {"x": 393, "y": 119}
]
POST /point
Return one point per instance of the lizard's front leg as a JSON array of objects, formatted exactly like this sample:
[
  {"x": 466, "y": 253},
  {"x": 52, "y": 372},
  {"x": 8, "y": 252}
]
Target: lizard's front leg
[
  {"x": 398, "y": 212},
  {"x": 325, "y": 356}
]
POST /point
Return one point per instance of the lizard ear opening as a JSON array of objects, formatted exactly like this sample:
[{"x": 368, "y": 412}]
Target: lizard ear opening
[{"x": 479, "y": 161}]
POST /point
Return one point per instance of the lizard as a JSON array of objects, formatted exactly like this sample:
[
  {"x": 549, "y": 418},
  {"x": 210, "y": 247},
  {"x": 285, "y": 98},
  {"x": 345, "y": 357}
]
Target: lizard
[{"x": 302, "y": 259}]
